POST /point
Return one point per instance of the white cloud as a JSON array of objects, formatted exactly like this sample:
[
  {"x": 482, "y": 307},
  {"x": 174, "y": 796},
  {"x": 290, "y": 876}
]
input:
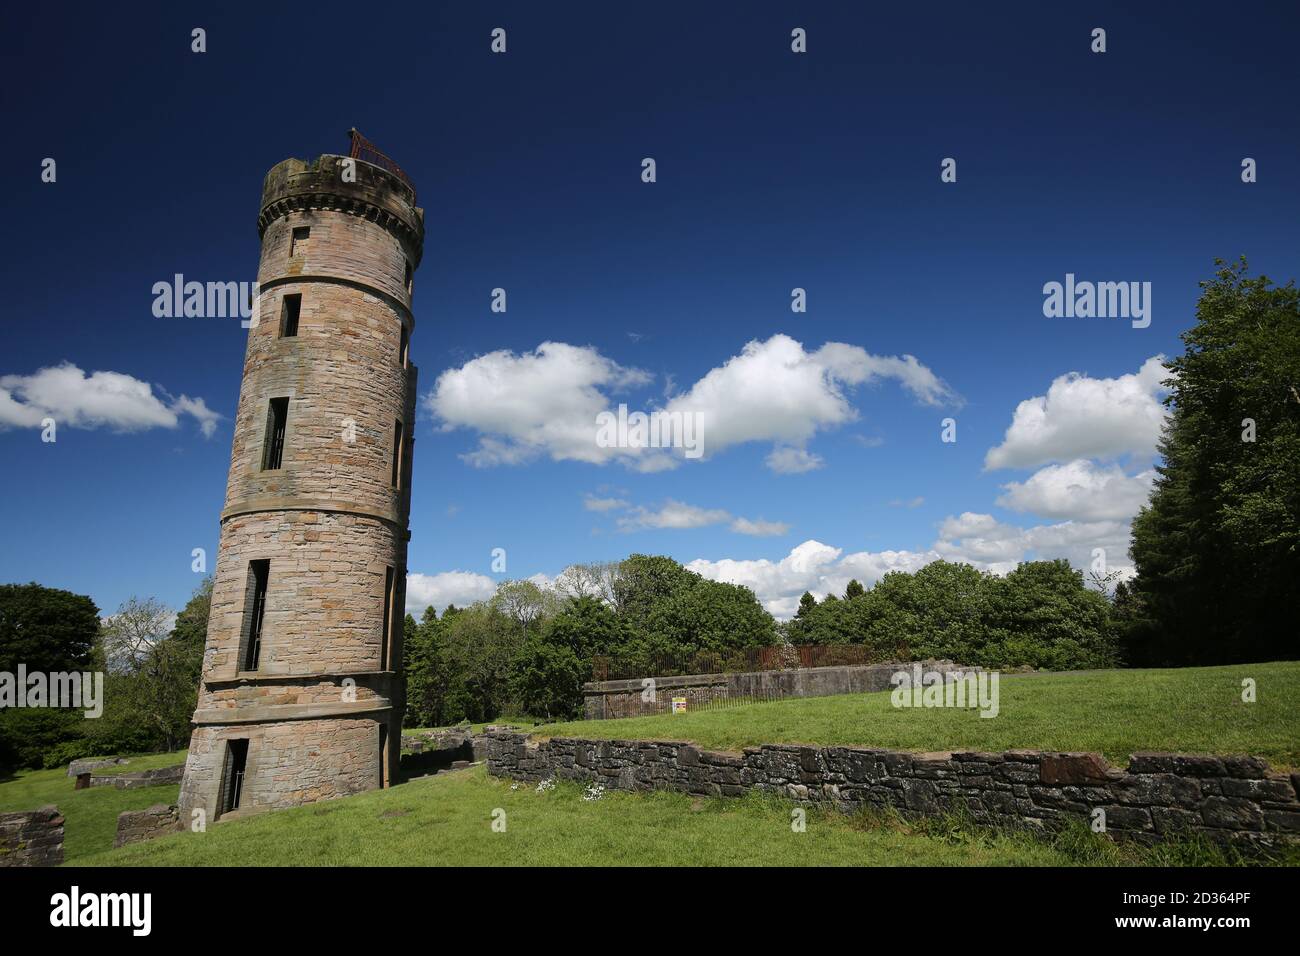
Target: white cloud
[
  {"x": 987, "y": 543},
  {"x": 1080, "y": 489},
  {"x": 759, "y": 527},
  {"x": 775, "y": 391},
  {"x": 461, "y": 588},
  {"x": 673, "y": 514},
  {"x": 1082, "y": 417},
  {"x": 545, "y": 403},
  {"x": 593, "y": 503},
  {"x": 976, "y": 539},
  {"x": 792, "y": 461},
  {"x": 811, "y": 566},
  {"x": 102, "y": 399}
]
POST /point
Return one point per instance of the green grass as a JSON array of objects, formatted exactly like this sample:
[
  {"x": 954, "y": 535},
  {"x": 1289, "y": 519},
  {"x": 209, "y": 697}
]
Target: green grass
[
  {"x": 523, "y": 723},
  {"x": 447, "y": 821},
  {"x": 1115, "y": 713},
  {"x": 90, "y": 815}
]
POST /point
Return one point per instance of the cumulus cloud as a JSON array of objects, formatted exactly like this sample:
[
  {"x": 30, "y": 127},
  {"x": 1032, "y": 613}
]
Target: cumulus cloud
[
  {"x": 977, "y": 539},
  {"x": 673, "y": 514},
  {"x": 461, "y": 588},
  {"x": 759, "y": 527},
  {"x": 811, "y": 566},
  {"x": 776, "y": 391},
  {"x": 593, "y": 503},
  {"x": 1083, "y": 417},
  {"x": 546, "y": 402},
  {"x": 1081, "y": 490},
  {"x": 543, "y": 402},
  {"x": 793, "y": 461},
  {"x": 982, "y": 540},
  {"x": 100, "y": 400}
]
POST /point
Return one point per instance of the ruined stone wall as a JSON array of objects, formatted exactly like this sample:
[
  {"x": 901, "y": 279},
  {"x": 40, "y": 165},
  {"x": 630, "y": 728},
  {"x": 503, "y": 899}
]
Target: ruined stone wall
[
  {"x": 31, "y": 838},
  {"x": 1236, "y": 799},
  {"x": 625, "y": 698},
  {"x": 134, "y": 826}
]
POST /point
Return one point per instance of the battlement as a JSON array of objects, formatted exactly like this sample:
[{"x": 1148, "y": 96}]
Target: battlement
[{"x": 369, "y": 191}]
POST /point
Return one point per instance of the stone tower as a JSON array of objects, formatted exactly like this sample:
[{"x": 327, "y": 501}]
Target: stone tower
[{"x": 301, "y": 695}]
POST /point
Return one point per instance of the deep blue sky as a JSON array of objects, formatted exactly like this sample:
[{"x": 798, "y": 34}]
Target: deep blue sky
[{"x": 775, "y": 170}]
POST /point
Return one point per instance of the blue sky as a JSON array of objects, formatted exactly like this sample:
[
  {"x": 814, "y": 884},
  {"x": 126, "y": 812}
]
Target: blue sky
[{"x": 774, "y": 171}]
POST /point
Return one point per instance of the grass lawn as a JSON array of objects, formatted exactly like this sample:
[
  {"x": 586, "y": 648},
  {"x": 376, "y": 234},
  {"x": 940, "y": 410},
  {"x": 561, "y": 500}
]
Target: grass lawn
[
  {"x": 91, "y": 815},
  {"x": 447, "y": 820},
  {"x": 1196, "y": 710}
]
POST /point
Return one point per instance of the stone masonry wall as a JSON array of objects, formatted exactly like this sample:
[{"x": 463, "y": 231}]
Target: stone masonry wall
[
  {"x": 133, "y": 826},
  {"x": 1235, "y": 799},
  {"x": 31, "y": 838},
  {"x": 623, "y": 698},
  {"x": 289, "y": 763}
]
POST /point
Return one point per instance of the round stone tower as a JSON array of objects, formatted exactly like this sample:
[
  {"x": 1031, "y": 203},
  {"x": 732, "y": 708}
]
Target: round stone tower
[{"x": 301, "y": 692}]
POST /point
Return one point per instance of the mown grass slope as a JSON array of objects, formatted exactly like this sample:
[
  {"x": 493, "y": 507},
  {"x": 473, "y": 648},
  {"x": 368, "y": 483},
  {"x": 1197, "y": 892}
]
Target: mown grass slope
[
  {"x": 1195, "y": 710},
  {"x": 447, "y": 820},
  {"x": 90, "y": 815}
]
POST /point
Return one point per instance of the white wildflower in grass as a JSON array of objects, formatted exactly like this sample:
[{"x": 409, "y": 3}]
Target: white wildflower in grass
[
  {"x": 594, "y": 792},
  {"x": 546, "y": 785},
  {"x": 514, "y": 786}
]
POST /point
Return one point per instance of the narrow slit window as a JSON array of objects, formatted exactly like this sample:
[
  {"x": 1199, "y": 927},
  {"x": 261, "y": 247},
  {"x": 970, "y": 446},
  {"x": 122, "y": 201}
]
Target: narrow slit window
[
  {"x": 259, "y": 574},
  {"x": 385, "y": 650},
  {"x": 407, "y": 278},
  {"x": 232, "y": 783},
  {"x": 290, "y": 306},
  {"x": 277, "y": 419},
  {"x": 298, "y": 244},
  {"x": 404, "y": 347},
  {"x": 398, "y": 448}
]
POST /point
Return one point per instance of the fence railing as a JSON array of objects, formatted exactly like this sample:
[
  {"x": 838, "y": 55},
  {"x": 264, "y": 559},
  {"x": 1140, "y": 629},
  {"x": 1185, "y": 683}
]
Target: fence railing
[
  {"x": 367, "y": 151},
  {"x": 771, "y": 658}
]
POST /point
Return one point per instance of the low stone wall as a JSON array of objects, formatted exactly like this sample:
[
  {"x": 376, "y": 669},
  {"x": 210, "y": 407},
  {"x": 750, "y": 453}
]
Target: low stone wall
[
  {"x": 140, "y": 778},
  {"x": 1236, "y": 799},
  {"x": 623, "y": 698},
  {"x": 134, "y": 826},
  {"x": 31, "y": 838},
  {"x": 91, "y": 764}
]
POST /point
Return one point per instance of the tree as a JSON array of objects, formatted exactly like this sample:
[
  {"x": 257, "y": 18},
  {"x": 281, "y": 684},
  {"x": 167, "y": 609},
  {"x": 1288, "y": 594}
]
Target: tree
[
  {"x": 50, "y": 631},
  {"x": 46, "y": 629},
  {"x": 854, "y": 590},
  {"x": 1217, "y": 549},
  {"x": 154, "y": 664},
  {"x": 521, "y": 601}
]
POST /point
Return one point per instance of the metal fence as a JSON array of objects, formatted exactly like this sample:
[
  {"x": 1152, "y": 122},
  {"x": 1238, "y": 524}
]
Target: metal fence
[
  {"x": 739, "y": 660},
  {"x": 367, "y": 151}
]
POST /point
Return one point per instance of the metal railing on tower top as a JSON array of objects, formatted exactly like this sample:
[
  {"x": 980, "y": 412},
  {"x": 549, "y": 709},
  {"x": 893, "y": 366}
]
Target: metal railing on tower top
[{"x": 363, "y": 149}]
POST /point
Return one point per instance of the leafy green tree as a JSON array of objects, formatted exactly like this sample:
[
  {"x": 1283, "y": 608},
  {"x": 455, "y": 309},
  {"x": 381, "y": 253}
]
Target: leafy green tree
[
  {"x": 45, "y": 628},
  {"x": 51, "y": 631},
  {"x": 1217, "y": 550},
  {"x": 854, "y": 590}
]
